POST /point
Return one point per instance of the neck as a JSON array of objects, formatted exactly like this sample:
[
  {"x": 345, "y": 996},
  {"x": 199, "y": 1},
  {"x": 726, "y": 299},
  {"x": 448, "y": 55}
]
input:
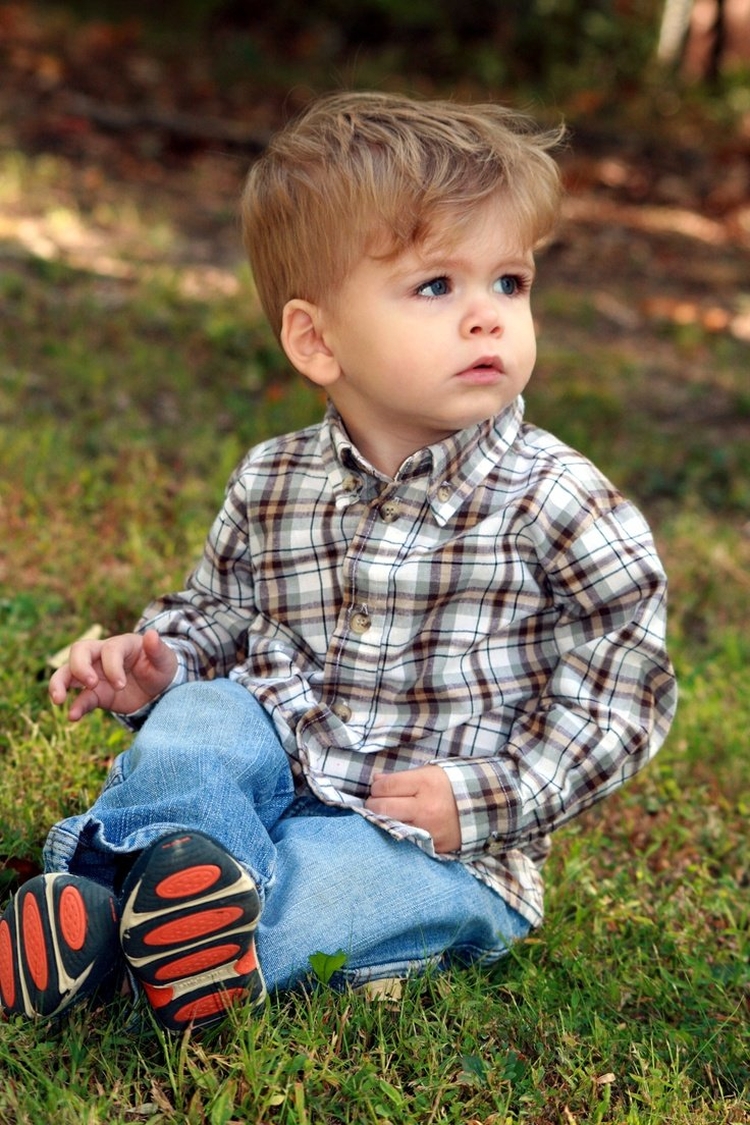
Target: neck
[{"x": 386, "y": 453}]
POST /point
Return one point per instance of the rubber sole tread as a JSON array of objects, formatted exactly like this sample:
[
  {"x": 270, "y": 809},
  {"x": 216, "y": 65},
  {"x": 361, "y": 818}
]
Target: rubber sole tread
[
  {"x": 59, "y": 943},
  {"x": 187, "y": 930}
]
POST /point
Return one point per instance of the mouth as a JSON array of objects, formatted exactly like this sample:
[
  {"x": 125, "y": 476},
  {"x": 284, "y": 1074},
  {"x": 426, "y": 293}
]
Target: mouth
[{"x": 487, "y": 369}]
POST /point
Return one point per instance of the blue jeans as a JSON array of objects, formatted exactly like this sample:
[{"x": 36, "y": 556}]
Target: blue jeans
[{"x": 208, "y": 758}]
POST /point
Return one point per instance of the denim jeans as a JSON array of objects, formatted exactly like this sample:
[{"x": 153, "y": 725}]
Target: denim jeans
[{"x": 208, "y": 758}]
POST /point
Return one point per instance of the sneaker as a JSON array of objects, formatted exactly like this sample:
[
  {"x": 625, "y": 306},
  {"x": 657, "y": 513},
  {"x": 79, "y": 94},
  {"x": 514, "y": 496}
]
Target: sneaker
[
  {"x": 59, "y": 943},
  {"x": 187, "y": 930}
]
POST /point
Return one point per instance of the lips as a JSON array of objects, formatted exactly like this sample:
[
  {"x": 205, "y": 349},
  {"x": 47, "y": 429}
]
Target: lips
[
  {"x": 491, "y": 361},
  {"x": 486, "y": 369}
]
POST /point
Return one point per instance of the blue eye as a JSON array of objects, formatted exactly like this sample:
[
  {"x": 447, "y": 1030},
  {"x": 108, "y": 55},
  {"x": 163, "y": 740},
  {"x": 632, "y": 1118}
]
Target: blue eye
[
  {"x": 438, "y": 287},
  {"x": 508, "y": 285}
]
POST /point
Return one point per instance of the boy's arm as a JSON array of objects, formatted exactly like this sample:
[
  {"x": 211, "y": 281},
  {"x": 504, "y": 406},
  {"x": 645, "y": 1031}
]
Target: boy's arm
[
  {"x": 607, "y": 705},
  {"x": 210, "y": 625},
  {"x": 206, "y": 624},
  {"x": 189, "y": 635}
]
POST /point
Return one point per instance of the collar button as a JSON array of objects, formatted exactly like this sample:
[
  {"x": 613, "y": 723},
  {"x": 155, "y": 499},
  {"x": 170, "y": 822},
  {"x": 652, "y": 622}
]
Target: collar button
[{"x": 389, "y": 511}]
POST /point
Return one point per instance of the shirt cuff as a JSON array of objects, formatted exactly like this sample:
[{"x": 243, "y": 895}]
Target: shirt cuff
[{"x": 488, "y": 805}]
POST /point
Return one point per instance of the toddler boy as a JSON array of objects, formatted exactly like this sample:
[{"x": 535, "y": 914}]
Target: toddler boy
[{"x": 423, "y": 633}]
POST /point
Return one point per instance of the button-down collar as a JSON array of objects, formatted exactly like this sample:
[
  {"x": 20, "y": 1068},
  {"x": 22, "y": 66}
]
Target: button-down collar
[{"x": 455, "y": 467}]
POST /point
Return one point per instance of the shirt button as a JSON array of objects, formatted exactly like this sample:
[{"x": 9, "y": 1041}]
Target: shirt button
[
  {"x": 390, "y": 511},
  {"x": 342, "y": 711},
  {"x": 350, "y": 483},
  {"x": 360, "y": 621},
  {"x": 444, "y": 493}
]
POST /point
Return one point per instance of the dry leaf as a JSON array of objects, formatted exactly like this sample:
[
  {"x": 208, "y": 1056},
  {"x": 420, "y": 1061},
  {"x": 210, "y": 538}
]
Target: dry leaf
[
  {"x": 390, "y": 988},
  {"x": 57, "y": 659}
]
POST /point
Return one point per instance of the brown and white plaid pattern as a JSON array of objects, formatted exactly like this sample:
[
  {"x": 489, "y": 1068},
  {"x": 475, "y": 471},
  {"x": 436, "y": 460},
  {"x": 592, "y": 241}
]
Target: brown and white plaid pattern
[{"x": 497, "y": 608}]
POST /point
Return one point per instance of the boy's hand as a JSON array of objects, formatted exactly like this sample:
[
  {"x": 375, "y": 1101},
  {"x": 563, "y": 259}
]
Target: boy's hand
[
  {"x": 122, "y": 673},
  {"x": 423, "y": 797}
]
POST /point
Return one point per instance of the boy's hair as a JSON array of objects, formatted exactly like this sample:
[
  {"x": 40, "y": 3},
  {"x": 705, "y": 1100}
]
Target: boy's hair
[{"x": 359, "y": 173}]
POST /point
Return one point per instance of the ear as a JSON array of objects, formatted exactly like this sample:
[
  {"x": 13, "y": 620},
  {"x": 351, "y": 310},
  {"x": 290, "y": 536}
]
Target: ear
[{"x": 303, "y": 340}]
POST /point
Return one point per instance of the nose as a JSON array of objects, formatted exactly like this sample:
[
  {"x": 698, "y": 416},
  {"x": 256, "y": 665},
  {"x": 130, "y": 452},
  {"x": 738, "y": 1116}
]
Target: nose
[{"x": 482, "y": 317}]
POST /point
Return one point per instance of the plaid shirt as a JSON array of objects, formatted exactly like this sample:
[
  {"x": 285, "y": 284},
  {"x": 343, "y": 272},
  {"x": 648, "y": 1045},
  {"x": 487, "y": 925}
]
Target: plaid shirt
[{"x": 497, "y": 608}]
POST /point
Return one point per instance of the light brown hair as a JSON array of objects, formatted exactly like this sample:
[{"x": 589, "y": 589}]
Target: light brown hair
[{"x": 359, "y": 173}]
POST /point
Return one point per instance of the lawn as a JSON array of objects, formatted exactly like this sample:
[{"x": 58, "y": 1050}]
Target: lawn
[{"x": 134, "y": 371}]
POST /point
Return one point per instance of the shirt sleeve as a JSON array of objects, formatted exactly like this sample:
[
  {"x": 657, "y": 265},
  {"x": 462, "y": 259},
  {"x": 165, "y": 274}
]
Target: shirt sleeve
[
  {"x": 210, "y": 625},
  {"x": 607, "y": 704},
  {"x": 206, "y": 623}
]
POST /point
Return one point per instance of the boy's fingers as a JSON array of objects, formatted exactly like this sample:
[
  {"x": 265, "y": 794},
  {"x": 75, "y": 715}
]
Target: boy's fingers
[
  {"x": 160, "y": 654},
  {"x": 85, "y": 702},
  {"x": 152, "y": 645},
  {"x": 81, "y": 664},
  {"x": 113, "y": 666},
  {"x": 398, "y": 784},
  {"x": 398, "y": 808},
  {"x": 410, "y": 782},
  {"x": 59, "y": 684}
]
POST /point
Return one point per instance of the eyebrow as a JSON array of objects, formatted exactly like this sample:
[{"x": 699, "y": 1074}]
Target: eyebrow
[{"x": 439, "y": 263}]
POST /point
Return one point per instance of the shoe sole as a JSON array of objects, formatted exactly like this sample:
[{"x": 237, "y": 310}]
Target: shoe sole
[
  {"x": 187, "y": 930},
  {"x": 58, "y": 944}
]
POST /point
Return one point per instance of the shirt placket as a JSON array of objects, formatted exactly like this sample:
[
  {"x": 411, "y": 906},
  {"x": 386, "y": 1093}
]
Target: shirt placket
[{"x": 383, "y": 526}]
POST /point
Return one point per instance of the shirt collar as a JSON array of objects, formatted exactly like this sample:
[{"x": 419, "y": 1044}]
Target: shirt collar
[{"x": 456, "y": 466}]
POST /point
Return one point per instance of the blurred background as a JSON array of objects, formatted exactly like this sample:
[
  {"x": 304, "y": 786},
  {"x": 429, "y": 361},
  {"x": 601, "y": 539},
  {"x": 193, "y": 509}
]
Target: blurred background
[
  {"x": 128, "y": 320},
  {"x": 656, "y": 93}
]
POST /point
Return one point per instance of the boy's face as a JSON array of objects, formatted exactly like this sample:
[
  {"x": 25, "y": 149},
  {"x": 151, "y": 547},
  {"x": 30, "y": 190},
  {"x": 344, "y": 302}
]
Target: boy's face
[{"x": 432, "y": 341}]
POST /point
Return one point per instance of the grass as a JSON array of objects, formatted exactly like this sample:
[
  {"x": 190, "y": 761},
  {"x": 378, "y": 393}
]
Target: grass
[{"x": 125, "y": 400}]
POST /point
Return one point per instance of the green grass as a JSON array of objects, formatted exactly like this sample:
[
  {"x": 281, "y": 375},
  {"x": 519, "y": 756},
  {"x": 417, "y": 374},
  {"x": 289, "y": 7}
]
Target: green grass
[{"x": 124, "y": 404}]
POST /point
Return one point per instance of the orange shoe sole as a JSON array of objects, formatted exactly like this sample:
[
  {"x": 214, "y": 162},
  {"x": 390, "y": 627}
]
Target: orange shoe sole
[
  {"x": 187, "y": 930},
  {"x": 59, "y": 943}
]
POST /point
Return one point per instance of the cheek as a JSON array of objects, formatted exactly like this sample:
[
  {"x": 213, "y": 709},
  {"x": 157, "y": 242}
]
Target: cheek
[
  {"x": 528, "y": 338},
  {"x": 523, "y": 335},
  {"x": 398, "y": 349}
]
